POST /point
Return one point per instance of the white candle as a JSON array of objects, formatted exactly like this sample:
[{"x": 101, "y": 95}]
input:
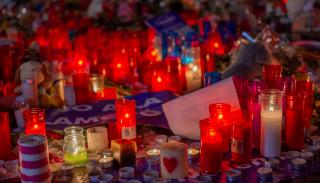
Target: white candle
[
  {"x": 174, "y": 160},
  {"x": 270, "y": 142},
  {"x": 193, "y": 77},
  {"x": 97, "y": 138}
]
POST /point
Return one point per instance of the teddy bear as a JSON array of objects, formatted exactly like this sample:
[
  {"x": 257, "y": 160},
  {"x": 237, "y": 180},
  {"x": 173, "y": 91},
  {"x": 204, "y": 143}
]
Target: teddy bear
[{"x": 33, "y": 68}]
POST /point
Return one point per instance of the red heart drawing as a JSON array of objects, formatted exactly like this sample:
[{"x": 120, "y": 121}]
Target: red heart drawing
[{"x": 170, "y": 163}]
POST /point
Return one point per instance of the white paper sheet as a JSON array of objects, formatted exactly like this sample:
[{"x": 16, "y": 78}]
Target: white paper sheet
[{"x": 183, "y": 113}]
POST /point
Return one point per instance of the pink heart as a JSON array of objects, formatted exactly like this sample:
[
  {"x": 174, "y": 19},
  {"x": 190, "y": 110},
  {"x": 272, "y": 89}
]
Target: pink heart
[{"x": 170, "y": 163}]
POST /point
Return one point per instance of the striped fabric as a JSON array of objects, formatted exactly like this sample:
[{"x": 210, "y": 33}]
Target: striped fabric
[{"x": 34, "y": 159}]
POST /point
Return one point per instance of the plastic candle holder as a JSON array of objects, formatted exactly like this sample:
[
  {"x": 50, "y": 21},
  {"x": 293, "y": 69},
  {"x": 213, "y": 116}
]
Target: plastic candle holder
[
  {"x": 271, "y": 123},
  {"x": 126, "y": 118},
  {"x": 241, "y": 138},
  {"x": 272, "y": 76},
  {"x": 220, "y": 112},
  {"x": 5, "y": 139},
  {"x": 74, "y": 150},
  {"x": 294, "y": 131},
  {"x": 97, "y": 83},
  {"x": 81, "y": 87},
  {"x": 34, "y": 119},
  {"x": 254, "y": 91},
  {"x": 211, "y": 146}
]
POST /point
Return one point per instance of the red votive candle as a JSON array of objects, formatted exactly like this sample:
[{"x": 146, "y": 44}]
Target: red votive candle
[
  {"x": 272, "y": 76},
  {"x": 294, "y": 131},
  {"x": 307, "y": 87},
  {"x": 241, "y": 138},
  {"x": 254, "y": 90},
  {"x": 126, "y": 118},
  {"x": 34, "y": 119},
  {"x": 120, "y": 66},
  {"x": 211, "y": 146},
  {"x": 81, "y": 87},
  {"x": 5, "y": 139},
  {"x": 159, "y": 78},
  {"x": 220, "y": 112}
]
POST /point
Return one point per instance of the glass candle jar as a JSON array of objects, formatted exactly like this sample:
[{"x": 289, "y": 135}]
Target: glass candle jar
[
  {"x": 241, "y": 137},
  {"x": 271, "y": 122},
  {"x": 74, "y": 150},
  {"x": 73, "y": 130},
  {"x": 211, "y": 146},
  {"x": 126, "y": 118},
  {"x": 34, "y": 119},
  {"x": 294, "y": 130},
  {"x": 97, "y": 83},
  {"x": 220, "y": 112},
  {"x": 254, "y": 90},
  {"x": 272, "y": 76}
]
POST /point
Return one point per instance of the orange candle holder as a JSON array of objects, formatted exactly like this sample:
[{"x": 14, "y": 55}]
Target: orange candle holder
[
  {"x": 34, "y": 119},
  {"x": 241, "y": 138},
  {"x": 126, "y": 118},
  {"x": 220, "y": 112},
  {"x": 211, "y": 146},
  {"x": 5, "y": 139}
]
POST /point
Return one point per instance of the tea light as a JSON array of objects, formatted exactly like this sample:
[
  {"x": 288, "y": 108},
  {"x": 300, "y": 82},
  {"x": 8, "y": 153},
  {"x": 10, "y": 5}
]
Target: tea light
[
  {"x": 160, "y": 139},
  {"x": 126, "y": 172},
  {"x": 175, "y": 138},
  {"x": 153, "y": 156},
  {"x": 105, "y": 178},
  {"x": 308, "y": 156},
  {"x": 150, "y": 176},
  {"x": 315, "y": 150},
  {"x": 64, "y": 176},
  {"x": 298, "y": 164},
  {"x": 11, "y": 166},
  {"x": 193, "y": 153},
  {"x": 233, "y": 175},
  {"x": 264, "y": 173},
  {"x": 204, "y": 179},
  {"x": 106, "y": 162},
  {"x": 124, "y": 152},
  {"x": 315, "y": 140},
  {"x": 272, "y": 163},
  {"x": 93, "y": 175},
  {"x": 292, "y": 154},
  {"x": 174, "y": 160},
  {"x": 97, "y": 138}
]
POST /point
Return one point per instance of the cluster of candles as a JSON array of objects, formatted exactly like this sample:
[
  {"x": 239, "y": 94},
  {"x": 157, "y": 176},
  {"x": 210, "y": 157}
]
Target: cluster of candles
[
  {"x": 161, "y": 61},
  {"x": 270, "y": 107}
]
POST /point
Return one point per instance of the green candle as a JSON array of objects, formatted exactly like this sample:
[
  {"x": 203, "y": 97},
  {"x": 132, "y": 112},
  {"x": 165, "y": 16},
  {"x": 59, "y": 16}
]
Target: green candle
[{"x": 79, "y": 158}]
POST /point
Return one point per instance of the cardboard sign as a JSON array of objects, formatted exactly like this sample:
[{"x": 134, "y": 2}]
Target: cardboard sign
[
  {"x": 148, "y": 109},
  {"x": 183, "y": 113}
]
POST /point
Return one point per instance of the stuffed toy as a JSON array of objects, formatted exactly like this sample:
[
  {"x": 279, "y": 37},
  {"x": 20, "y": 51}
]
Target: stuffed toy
[
  {"x": 248, "y": 61},
  {"x": 33, "y": 68}
]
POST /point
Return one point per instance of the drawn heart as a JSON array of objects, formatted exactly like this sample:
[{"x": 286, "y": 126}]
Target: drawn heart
[{"x": 170, "y": 163}]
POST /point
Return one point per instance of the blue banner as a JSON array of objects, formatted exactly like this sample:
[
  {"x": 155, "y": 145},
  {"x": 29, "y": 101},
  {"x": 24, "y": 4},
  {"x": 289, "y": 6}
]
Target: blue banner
[{"x": 148, "y": 109}]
